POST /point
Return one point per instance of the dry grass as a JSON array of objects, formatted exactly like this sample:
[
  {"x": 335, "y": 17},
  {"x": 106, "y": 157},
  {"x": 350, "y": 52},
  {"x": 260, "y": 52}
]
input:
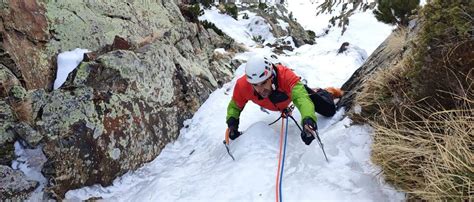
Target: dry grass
[
  {"x": 398, "y": 40},
  {"x": 384, "y": 92},
  {"x": 423, "y": 150},
  {"x": 422, "y": 107},
  {"x": 432, "y": 158}
]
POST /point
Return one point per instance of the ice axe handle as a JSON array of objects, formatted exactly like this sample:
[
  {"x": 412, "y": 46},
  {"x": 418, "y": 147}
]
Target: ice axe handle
[{"x": 226, "y": 141}]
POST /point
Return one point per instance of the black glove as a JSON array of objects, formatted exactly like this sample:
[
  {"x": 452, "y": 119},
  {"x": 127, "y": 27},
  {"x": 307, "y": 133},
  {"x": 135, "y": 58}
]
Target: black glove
[
  {"x": 309, "y": 127},
  {"x": 233, "y": 125}
]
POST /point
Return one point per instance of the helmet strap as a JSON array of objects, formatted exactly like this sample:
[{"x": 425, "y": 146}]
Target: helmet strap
[{"x": 274, "y": 80}]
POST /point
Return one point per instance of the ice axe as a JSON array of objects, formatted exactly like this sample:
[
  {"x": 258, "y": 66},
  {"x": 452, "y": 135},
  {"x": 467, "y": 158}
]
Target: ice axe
[
  {"x": 226, "y": 143},
  {"x": 315, "y": 134}
]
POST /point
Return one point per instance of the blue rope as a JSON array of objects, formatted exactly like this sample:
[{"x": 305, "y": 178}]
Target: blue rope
[{"x": 283, "y": 159}]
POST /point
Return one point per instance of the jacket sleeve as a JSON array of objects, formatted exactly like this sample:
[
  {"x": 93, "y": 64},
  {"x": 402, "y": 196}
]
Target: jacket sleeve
[
  {"x": 302, "y": 101},
  {"x": 237, "y": 103},
  {"x": 233, "y": 110}
]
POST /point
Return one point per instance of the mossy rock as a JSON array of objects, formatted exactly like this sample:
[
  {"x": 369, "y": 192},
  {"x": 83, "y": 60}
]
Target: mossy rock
[{"x": 7, "y": 135}]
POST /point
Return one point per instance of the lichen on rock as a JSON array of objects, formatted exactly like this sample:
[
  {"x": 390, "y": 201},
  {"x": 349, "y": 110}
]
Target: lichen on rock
[
  {"x": 14, "y": 185},
  {"x": 149, "y": 70}
]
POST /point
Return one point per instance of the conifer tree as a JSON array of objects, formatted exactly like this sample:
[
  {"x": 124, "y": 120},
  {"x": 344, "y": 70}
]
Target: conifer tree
[
  {"x": 206, "y": 3},
  {"x": 348, "y": 9},
  {"x": 395, "y": 12},
  {"x": 402, "y": 10}
]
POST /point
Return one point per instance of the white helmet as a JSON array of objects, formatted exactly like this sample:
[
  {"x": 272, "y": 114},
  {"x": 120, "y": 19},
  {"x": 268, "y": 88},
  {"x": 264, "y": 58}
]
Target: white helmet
[{"x": 258, "y": 69}]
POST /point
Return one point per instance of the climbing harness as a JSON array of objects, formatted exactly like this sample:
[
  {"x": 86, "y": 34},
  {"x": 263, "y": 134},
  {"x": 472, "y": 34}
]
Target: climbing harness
[{"x": 287, "y": 110}]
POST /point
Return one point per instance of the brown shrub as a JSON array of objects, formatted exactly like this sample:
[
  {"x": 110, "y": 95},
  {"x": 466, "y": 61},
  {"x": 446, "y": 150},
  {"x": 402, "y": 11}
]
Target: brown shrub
[{"x": 422, "y": 108}]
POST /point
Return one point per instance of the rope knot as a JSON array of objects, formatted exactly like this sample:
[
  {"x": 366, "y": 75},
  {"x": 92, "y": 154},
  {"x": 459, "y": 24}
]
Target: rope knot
[{"x": 287, "y": 112}]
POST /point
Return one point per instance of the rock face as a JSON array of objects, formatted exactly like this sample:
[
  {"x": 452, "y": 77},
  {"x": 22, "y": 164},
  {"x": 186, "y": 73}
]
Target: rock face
[
  {"x": 8, "y": 82},
  {"x": 276, "y": 17},
  {"x": 24, "y": 31},
  {"x": 7, "y": 136},
  {"x": 118, "y": 109},
  {"x": 15, "y": 186}
]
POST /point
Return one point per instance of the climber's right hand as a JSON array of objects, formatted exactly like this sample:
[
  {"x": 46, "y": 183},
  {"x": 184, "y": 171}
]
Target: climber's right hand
[
  {"x": 310, "y": 130},
  {"x": 233, "y": 125},
  {"x": 233, "y": 134}
]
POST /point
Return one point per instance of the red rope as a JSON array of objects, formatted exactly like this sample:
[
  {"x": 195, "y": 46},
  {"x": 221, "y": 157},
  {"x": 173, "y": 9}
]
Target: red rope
[{"x": 279, "y": 162}]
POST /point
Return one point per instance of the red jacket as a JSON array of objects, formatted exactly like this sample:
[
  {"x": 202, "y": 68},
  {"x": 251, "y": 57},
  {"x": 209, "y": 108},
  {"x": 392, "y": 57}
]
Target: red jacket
[{"x": 243, "y": 91}]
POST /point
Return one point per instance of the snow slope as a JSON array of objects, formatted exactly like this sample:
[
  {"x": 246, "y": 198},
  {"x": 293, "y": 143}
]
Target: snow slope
[
  {"x": 197, "y": 167},
  {"x": 363, "y": 30}
]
